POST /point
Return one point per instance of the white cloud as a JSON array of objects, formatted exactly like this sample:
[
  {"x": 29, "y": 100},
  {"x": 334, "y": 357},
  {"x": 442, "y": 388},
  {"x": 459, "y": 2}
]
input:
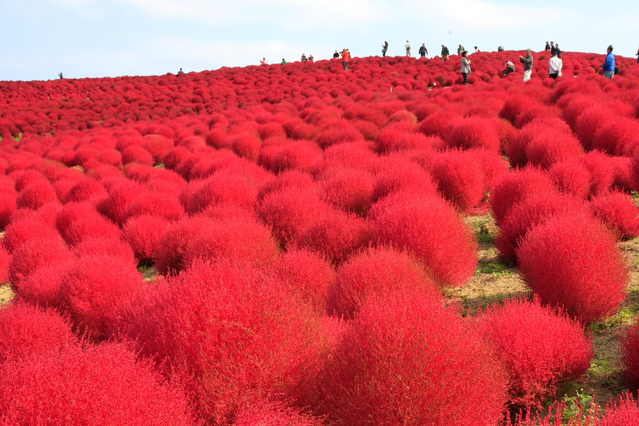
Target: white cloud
[{"x": 292, "y": 14}]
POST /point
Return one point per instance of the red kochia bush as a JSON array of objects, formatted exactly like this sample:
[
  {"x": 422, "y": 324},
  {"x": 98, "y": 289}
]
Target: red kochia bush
[
  {"x": 103, "y": 385},
  {"x": 460, "y": 178},
  {"x": 307, "y": 275},
  {"x": 27, "y": 229},
  {"x": 474, "y": 132},
  {"x": 175, "y": 242},
  {"x": 630, "y": 356},
  {"x": 143, "y": 234},
  {"x": 35, "y": 195},
  {"x": 573, "y": 262},
  {"x": 28, "y": 330},
  {"x": 376, "y": 272},
  {"x": 548, "y": 148},
  {"x": 540, "y": 348},
  {"x": 619, "y": 212},
  {"x": 265, "y": 413},
  {"x": 571, "y": 177},
  {"x": 239, "y": 240},
  {"x": 335, "y": 234},
  {"x": 157, "y": 204},
  {"x": 625, "y": 412},
  {"x": 35, "y": 254},
  {"x": 436, "y": 371},
  {"x": 259, "y": 341},
  {"x": 289, "y": 211},
  {"x": 349, "y": 190},
  {"x": 515, "y": 187},
  {"x": 429, "y": 228},
  {"x": 615, "y": 137},
  {"x": 530, "y": 213},
  {"x": 95, "y": 288},
  {"x": 221, "y": 188}
]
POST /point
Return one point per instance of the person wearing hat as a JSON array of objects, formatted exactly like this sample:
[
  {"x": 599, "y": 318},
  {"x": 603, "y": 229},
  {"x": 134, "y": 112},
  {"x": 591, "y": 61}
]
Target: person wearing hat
[{"x": 609, "y": 64}]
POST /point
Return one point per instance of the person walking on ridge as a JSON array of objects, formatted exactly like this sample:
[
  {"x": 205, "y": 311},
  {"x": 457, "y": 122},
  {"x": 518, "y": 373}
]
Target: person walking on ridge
[
  {"x": 609, "y": 64},
  {"x": 445, "y": 53},
  {"x": 346, "y": 56},
  {"x": 423, "y": 51},
  {"x": 384, "y": 48},
  {"x": 465, "y": 66}
]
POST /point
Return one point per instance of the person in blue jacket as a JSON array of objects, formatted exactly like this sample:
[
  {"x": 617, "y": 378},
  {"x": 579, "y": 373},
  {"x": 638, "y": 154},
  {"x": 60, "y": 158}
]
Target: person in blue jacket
[{"x": 609, "y": 64}]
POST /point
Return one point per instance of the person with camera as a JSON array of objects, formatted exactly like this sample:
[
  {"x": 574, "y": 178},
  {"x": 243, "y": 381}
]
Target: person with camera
[
  {"x": 465, "y": 66},
  {"x": 528, "y": 64}
]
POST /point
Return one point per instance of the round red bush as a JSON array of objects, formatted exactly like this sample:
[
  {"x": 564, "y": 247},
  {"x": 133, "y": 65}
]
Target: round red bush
[
  {"x": 103, "y": 385},
  {"x": 28, "y": 330},
  {"x": 376, "y": 272},
  {"x": 573, "y": 262},
  {"x": 460, "y": 178},
  {"x": 619, "y": 212},
  {"x": 515, "y": 187},
  {"x": 235, "y": 321},
  {"x": 27, "y": 229},
  {"x": 35, "y": 254},
  {"x": 236, "y": 240},
  {"x": 35, "y": 195},
  {"x": 530, "y": 213},
  {"x": 143, "y": 234},
  {"x": 306, "y": 274},
  {"x": 474, "y": 132},
  {"x": 429, "y": 228},
  {"x": 436, "y": 371},
  {"x": 94, "y": 289},
  {"x": 541, "y": 349}
]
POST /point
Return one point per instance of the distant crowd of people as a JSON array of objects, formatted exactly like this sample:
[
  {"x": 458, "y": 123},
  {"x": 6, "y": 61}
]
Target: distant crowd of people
[{"x": 555, "y": 63}]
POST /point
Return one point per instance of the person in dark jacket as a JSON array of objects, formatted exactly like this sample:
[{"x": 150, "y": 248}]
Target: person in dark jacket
[
  {"x": 423, "y": 51},
  {"x": 465, "y": 66},
  {"x": 609, "y": 64},
  {"x": 637, "y": 55},
  {"x": 547, "y": 46},
  {"x": 528, "y": 64},
  {"x": 558, "y": 50},
  {"x": 445, "y": 53},
  {"x": 384, "y": 48},
  {"x": 336, "y": 54}
]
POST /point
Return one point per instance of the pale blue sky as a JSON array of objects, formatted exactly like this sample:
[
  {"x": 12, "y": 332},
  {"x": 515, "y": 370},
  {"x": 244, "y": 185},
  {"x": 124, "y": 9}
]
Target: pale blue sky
[{"x": 98, "y": 38}]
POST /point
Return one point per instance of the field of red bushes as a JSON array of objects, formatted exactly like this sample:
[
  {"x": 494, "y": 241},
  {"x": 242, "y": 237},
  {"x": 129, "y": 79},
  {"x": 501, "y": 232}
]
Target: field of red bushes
[{"x": 271, "y": 245}]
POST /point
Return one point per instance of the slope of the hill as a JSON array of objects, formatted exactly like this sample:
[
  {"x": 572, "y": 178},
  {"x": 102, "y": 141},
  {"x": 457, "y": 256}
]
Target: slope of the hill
[{"x": 295, "y": 245}]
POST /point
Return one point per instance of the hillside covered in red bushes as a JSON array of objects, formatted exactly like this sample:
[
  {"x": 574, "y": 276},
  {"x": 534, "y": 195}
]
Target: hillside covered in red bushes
[{"x": 270, "y": 245}]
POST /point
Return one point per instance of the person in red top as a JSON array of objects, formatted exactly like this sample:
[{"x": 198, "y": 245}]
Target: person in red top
[{"x": 346, "y": 56}]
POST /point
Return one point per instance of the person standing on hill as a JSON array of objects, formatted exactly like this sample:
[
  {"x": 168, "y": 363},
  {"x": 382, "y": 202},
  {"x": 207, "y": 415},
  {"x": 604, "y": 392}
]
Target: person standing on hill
[
  {"x": 303, "y": 58},
  {"x": 554, "y": 66},
  {"x": 465, "y": 66},
  {"x": 407, "y": 46},
  {"x": 283, "y": 62},
  {"x": 460, "y": 49},
  {"x": 609, "y": 64},
  {"x": 62, "y": 75},
  {"x": 558, "y": 50},
  {"x": 528, "y": 64},
  {"x": 384, "y": 48},
  {"x": 547, "y": 46},
  {"x": 637, "y": 55},
  {"x": 346, "y": 56},
  {"x": 263, "y": 61},
  {"x": 445, "y": 53},
  {"x": 336, "y": 54},
  {"x": 423, "y": 51}
]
